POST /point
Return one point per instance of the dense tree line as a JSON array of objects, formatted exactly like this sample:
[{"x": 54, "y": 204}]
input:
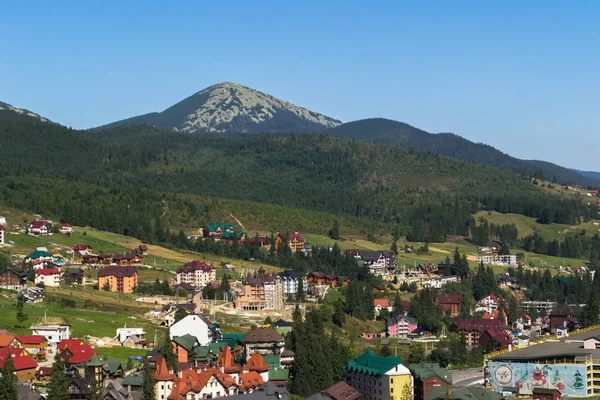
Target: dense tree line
[
  {"x": 124, "y": 180},
  {"x": 579, "y": 245},
  {"x": 320, "y": 359},
  {"x": 485, "y": 233}
]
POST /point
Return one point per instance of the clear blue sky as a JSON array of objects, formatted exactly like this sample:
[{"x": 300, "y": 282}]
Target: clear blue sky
[{"x": 521, "y": 77}]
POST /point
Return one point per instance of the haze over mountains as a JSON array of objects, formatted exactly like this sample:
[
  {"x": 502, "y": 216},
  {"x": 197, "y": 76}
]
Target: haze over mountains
[{"x": 233, "y": 108}]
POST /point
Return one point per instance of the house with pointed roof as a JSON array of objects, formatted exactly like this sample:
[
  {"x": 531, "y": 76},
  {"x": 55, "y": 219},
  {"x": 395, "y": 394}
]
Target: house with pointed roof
[
  {"x": 25, "y": 365},
  {"x": 38, "y": 227},
  {"x": 379, "y": 262},
  {"x": 113, "y": 390},
  {"x": 473, "y": 328},
  {"x": 51, "y": 277},
  {"x": 378, "y": 377},
  {"x": 54, "y": 329},
  {"x": 450, "y": 303},
  {"x": 339, "y": 391},
  {"x": 427, "y": 376},
  {"x": 13, "y": 279},
  {"x": 196, "y": 325},
  {"x": 196, "y": 273},
  {"x": 264, "y": 341}
]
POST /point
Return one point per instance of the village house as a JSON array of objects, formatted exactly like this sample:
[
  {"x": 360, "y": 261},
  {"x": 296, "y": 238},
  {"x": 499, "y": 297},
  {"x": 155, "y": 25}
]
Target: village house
[
  {"x": 10, "y": 341},
  {"x": 261, "y": 291},
  {"x": 131, "y": 337},
  {"x": 492, "y": 340},
  {"x": 54, "y": 329},
  {"x": 118, "y": 279},
  {"x": 79, "y": 250},
  {"x": 264, "y": 341},
  {"x": 38, "y": 228},
  {"x": 427, "y": 376},
  {"x": 13, "y": 279},
  {"x": 65, "y": 228},
  {"x": 34, "y": 344},
  {"x": 290, "y": 281},
  {"x": 473, "y": 328},
  {"x": 142, "y": 250},
  {"x": 379, "y": 262},
  {"x": 294, "y": 241},
  {"x": 48, "y": 277},
  {"x": 382, "y": 304},
  {"x": 261, "y": 241},
  {"x": 38, "y": 255},
  {"x": 450, "y": 303},
  {"x": 489, "y": 303},
  {"x": 564, "y": 318},
  {"x": 315, "y": 279},
  {"x": 25, "y": 366},
  {"x": 196, "y": 325},
  {"x": 196, "y": 273},
  {"x": 401, "y": 326},
  {"x": 496, "y": 315}
]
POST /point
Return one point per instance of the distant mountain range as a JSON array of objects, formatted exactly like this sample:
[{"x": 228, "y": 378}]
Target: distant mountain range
[
  {"x": 229, "y": 107},
  {"x": 233, "y": 108}
]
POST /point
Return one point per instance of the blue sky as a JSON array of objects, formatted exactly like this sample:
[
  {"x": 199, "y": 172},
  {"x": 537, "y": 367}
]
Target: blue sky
[{"x": 521, "y": 77}]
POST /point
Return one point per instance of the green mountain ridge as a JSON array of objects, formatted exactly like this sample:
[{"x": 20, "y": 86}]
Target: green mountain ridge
[{"x": 395, "y": 133}]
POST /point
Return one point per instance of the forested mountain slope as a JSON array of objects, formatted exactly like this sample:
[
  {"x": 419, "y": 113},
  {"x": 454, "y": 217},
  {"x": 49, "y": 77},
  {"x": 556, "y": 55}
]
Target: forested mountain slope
[
  {"x": 123, "y": 176},
  {"x": 448, "y": 144}
]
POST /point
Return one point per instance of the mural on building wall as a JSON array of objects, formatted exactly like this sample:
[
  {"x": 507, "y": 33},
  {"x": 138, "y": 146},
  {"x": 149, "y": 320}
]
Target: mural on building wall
[{"x": 568, "y": 378}]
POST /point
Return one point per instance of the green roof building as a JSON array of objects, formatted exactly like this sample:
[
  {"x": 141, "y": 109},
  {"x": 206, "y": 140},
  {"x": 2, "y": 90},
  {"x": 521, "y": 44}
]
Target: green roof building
[{"x": 379, "y": 377}]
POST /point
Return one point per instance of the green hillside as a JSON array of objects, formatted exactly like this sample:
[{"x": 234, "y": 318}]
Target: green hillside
[
  {"x": 447, "y": 144},
  {"x": 138, "y": 180}
]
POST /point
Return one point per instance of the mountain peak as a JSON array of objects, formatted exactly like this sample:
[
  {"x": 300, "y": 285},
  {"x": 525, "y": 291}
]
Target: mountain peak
[{"x": 231, "y": 107}]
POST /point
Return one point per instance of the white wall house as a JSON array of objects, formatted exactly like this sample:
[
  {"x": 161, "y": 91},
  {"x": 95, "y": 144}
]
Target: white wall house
[
  {"x": 197, "y": 274},
  {"x": 48, "y": 276},
  {"x": 194, "y": 325},
  {"x": 437, "y": 283},
  {"x": 52, "y": 328}
]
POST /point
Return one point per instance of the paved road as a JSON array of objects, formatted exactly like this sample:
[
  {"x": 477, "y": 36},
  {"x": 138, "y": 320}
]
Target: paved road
[{"x": 468, "y": 377}]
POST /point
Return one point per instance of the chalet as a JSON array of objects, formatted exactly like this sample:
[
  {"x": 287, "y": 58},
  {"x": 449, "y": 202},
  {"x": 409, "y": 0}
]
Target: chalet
[
  {"x": 25, "y": 366},
  {"x": 380, "y": 262},
  {"x": 426, "y": 377},
  {"x": 38, "y": 228},
  {"x": 215, "y": 230},
  {"x": 496, "y": 315},
  {"x": 490, "y": 302},
  {"x": 492, "y": 340},
  {"x": 105, "y": 259},
  {"x": 473, "y": 328},
  {"x": 74, "y": 276},
  {"x": 119, "y": 259},
  {"x": 263, "y": 341},
  {"x": 564, "y": 318},
  {"x": 74, "y": 352},
  {"x": 196, "y": 273},
  {"x": 133, "y": 259},
  {"x": 450, "y": 303},
  {"x": 261, "y": 241},
  {"x": 401, "y": 326},
  {"x": 65, "y": 228},
  {"x": 79, "y": 388},
  {"x": 352, "y": 252},
  {"x": 315, "y": 278},
  {"x": 379, "y": 288},
  {"x": 381, "y": 304},
  {"x": 48, "y": 277},
  {"x": 80, "y": 250},
  {"x": 13, "y": 279},
  {"x": 89, "y": 259},
  {"x": 343, "y": 281},
  {"x": 10, "y": 341},
  {"x": 34, "y": 344},
  {"x": 142, "y": 249},
  {"x": 232, "y": 236},
  {"x": 293, "y": 240}
]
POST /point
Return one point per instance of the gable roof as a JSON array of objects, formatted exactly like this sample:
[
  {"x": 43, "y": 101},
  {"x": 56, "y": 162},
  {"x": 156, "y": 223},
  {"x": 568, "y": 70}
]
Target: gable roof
[
  {"x": 20, "y": 360},
  {"x": 262, "y": 335},
  {"x": 427, "y": 370},
  {"x": 186, "y": 341},
  {"x": 6, "y": 340},
  {"x": 257, "y": 363},
  {"x": 369, "y": 363},
  {"x": 381, "y": 302},
  {"x": 32, "y": 339},
  {"x": 449, "y": 299},
  {"x": 342, "y": 391},
  {"x": 47, "y": 271}
]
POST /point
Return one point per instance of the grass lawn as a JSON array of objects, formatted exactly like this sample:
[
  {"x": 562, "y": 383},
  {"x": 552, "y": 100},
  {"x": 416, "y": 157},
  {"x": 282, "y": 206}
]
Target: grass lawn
[
  {"x": 83, "y": 322},
  {"x": 100, "y": 299},
  {"x": 123, "y": 353}
]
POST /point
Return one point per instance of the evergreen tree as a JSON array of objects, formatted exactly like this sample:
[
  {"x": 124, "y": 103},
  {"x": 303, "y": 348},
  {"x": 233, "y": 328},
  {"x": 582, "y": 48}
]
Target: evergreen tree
[
  {"x": 180, "y": 314},
  {"x": 394, "y": 247},
  {"x": 590, "y": 312},
  {"x": 8, "y": 381},
  {"x": 334, "y": 232},
  {"x": 58, "y": 387},
  {"x": 338, "y": 315},
  {"x": 168, "y": 353},
  {"x": 407, "y": 393},
  {"x": 300, "y": 293},
  {"x": 148, "y": 391},
  {"x": 398, "y": 308},
  {"x": 447, "y": 267},
  {"x": 21, "y": 316},
  {"x": 95, "y": 392}
]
